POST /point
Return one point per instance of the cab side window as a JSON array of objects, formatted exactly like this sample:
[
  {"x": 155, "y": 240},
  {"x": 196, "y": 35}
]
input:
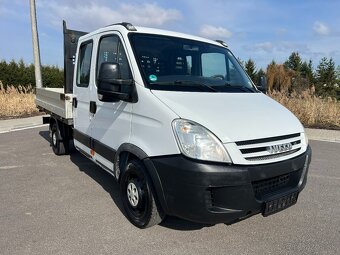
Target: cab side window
[
  {"x": 84, "y": 64},
  {"x": 112, "y": 50}
]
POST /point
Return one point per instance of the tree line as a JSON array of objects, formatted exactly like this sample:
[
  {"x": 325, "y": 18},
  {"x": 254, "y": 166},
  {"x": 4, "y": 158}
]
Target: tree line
[
  {"x": 298, "y": 75},
  {"x": 294, "y": 74},
  {"x": 18, "y": 73}
]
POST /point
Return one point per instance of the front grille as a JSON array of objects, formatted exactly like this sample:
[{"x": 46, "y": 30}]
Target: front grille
[
  {"x": 258, "y": 149},
  {"x": 270, "y": 148},
  {"x": 270, "y": 185},
  {"x": 272, "y": 156}
]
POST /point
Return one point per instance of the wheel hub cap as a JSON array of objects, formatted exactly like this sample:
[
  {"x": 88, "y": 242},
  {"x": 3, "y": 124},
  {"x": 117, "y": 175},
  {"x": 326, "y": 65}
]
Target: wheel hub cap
[
  {"x": 54, "y": 138},
  {"x": 132, "y": 194}
]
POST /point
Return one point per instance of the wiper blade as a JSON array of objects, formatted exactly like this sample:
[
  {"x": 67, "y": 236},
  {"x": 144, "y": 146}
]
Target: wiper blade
[
  {"x": 194, "y": 83},
  {"x": 187, "y": 83},
  {"x": 240, "y": 87}
]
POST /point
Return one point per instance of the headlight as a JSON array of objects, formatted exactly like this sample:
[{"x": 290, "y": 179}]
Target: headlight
[{"x": 195, "y": 141}]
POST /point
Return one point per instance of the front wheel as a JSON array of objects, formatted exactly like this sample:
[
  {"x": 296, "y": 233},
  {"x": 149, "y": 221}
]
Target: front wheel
[{"x": 138, "y": 196}]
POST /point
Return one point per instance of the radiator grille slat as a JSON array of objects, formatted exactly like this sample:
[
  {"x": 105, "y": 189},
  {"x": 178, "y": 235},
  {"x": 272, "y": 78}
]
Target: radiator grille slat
[{"x": 270, "y": 139}]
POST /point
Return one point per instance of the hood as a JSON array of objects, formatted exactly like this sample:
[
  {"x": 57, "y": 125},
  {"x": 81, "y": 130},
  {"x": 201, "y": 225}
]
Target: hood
[{"x": 233, "y": 116}]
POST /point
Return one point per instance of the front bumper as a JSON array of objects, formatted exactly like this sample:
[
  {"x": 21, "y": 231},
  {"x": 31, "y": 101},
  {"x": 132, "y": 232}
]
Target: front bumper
[{"x": 214, "y": 192}]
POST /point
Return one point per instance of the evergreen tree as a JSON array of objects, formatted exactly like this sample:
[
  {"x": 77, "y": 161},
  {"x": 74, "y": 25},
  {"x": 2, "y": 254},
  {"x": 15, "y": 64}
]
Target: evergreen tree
[
  {"x": 17, "y": 73},
  {"x": 307, "y": 70},
  {"x": 326, "y": 77},
  {"x": 294, "y": 62},
  {"x": 13, "y": 73},
  {"x": 3, "y": 72},
  {"x": 325, "y": 72},
  {"x": 251, "y": 69}
]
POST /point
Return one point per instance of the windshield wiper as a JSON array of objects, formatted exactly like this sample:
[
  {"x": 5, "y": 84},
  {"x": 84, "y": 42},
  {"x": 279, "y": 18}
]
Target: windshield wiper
[
  {"x": 240, "y": 87},
  {"x": 187, "y": 83}
]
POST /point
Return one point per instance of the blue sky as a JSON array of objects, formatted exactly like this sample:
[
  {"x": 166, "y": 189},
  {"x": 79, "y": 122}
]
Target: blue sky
[{"x": 261, "y": 29}]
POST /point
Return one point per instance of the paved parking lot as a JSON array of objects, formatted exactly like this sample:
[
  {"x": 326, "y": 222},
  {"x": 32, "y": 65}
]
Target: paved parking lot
[{"x": 67, "y": 205}]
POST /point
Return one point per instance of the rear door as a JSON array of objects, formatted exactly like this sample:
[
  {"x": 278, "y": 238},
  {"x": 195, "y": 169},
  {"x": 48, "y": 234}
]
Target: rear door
[{"x": 81, "y": 103}]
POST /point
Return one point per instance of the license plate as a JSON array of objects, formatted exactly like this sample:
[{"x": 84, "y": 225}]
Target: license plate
[{"x": 279, "y": 204}]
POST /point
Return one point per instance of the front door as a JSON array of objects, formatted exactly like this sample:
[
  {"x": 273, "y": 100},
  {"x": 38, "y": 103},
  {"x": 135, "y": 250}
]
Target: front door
[{"x": 110, "y": 126}]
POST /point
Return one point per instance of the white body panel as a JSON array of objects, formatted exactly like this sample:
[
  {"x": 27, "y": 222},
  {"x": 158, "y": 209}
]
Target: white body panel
[
  {"x": 54, "y": 100},
  {"x": 233, "y": 116},
  {"x": 151, "y": 125},
  {"x": 82, "y": 116}
]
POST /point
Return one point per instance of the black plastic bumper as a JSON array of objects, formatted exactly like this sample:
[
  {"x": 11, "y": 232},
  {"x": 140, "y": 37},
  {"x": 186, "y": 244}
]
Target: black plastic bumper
[{"x": 215, "y": 193}]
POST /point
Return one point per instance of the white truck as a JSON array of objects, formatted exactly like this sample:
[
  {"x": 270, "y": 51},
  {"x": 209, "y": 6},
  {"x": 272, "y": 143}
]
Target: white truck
[{"x": 178, "y": 123}]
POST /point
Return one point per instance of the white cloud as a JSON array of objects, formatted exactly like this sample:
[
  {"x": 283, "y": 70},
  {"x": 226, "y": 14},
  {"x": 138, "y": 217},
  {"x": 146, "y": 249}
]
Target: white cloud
[
  {"x": 281, "y": 46},
  {"x": 149, "y": 14},
  {"x": 293, "y": 46},
  {"x": 321, "y": 28},
  {"x": 92, "y": 15},
  {"x": 214, "y": 32},
  {"x": 265, "y": 46}
]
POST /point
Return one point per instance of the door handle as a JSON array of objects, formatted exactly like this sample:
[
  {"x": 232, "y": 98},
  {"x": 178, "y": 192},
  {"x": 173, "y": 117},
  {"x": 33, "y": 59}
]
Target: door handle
[
  {"x": 74, "y": 102},
  {"x": 93, "y": 107}
]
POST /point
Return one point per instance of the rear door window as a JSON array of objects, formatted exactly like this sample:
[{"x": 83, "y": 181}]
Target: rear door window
[{"x": 84, "y": 64}]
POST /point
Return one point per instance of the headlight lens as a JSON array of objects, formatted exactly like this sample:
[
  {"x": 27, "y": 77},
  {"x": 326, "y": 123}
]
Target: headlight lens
[{"x": 197, "y": 142}]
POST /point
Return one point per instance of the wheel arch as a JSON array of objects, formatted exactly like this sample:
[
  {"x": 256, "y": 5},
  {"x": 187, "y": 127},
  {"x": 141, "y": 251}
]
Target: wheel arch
[
  {"x": 129, "y": 151},
  {"x": 64, "y": 130}
]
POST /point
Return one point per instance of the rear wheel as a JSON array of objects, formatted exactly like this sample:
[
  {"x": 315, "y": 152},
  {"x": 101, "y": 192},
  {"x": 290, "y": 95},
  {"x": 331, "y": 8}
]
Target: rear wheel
[
  {"x": 138, "y": 196},
  {"x": 56, "y": 141}
]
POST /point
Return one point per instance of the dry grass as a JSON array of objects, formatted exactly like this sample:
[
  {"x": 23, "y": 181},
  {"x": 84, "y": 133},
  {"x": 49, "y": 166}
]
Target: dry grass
[
  {"x": 17, "y": 102},
  {"x": 311, "y": 110}
]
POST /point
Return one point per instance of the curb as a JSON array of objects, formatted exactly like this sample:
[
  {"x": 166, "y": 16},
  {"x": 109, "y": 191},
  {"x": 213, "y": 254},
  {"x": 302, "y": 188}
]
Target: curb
[
  {"x": 36, "y": 121},
  {"x": 20, "y": 124},
  {"x": 323, "y": 135}
]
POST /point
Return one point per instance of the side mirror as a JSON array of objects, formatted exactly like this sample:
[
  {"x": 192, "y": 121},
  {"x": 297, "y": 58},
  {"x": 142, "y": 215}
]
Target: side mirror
[
  {"x": 110, "y": 86},
  {"x": 262, "y": 84}
]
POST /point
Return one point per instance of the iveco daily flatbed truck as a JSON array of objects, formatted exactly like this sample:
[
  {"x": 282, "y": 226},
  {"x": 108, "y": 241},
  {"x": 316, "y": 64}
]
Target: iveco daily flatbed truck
[{"x": 178, "y": 123}]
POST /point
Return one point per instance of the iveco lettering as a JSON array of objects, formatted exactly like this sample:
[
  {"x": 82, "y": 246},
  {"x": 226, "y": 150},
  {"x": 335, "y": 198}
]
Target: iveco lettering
[
  {"x": 178, "y": 123},
  {"x": 280, "y": 148}
]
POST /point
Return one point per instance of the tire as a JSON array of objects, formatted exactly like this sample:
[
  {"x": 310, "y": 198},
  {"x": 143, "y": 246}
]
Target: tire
[
  {"x": 58, "y": 146},
  {"x": 138, "y": 196}
]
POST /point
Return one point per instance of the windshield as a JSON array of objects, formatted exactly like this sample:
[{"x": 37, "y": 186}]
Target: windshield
[{"x": 171, "y": 63}]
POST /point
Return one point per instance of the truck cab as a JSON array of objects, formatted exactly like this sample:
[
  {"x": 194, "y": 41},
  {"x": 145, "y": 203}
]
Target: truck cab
[{"x": 182, "y": 128}]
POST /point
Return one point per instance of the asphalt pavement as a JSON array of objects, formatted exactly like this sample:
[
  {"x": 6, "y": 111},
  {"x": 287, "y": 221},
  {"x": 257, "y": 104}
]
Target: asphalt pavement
[{"x": 67, "y": 205}]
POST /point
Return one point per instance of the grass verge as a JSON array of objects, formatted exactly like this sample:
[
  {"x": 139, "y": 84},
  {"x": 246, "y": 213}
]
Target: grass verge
[
  {"x": 17, "y": 102},
  {"x": 311, "y": 110}
]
